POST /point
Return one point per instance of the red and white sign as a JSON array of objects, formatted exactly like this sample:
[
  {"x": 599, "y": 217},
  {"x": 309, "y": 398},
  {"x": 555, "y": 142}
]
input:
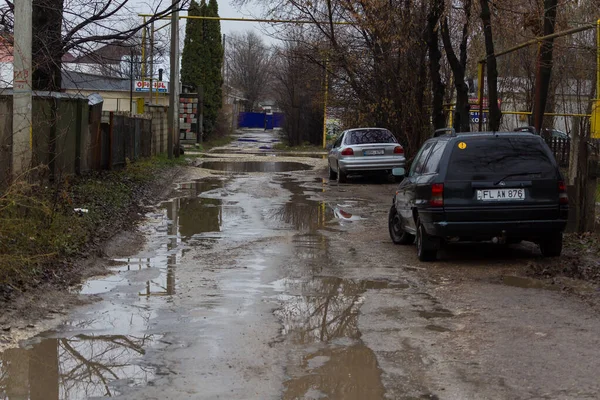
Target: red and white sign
[{"x": 144, "y": 86}]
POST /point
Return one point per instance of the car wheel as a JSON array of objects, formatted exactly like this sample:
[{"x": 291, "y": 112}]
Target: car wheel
[
  {"x": 341, "y": 175},
  {"x": 398, "y": 235},
  {"x": 425, "y": 245},
  {"x": 332, "y": 173},
  {"x": 551, "y": 246}
]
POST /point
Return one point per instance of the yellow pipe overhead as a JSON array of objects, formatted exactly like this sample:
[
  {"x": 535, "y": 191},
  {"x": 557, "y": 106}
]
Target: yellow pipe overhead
[{"x": 270, "y": 21}]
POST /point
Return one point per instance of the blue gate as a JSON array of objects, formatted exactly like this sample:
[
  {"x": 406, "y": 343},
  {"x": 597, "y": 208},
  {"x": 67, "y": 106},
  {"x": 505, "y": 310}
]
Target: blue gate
[{"x": 260, "y": 120}]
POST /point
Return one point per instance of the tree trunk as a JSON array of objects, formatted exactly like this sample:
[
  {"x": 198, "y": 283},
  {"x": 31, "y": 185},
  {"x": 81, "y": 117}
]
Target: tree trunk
[
  {"x": 47, "y": 46},
  {"x": 544, "y": 72},
  {"x": 435, "y": 56},
  {"x": 462, "y": 121},
  {"x": 492, "y": 69}
]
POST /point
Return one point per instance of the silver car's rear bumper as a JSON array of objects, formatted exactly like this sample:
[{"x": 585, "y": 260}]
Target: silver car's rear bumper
[{"x": 371, "y": 163}]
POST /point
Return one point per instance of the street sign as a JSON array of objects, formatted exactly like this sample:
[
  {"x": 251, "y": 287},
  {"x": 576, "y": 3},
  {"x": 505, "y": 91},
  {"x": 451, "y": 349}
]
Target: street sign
[
  {"x": 475, "y": 117},
  {"x": 144, "y": 86}
]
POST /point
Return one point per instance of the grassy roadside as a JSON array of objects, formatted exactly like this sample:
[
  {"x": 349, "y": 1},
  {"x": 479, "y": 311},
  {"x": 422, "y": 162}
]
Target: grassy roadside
[
  {"x": 578, "y": 261},
  {"x": 41, "y": 229}
]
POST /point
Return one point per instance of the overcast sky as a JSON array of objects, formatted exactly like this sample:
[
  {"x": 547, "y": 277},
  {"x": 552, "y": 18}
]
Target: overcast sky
[{"x": 226, "y": 9}]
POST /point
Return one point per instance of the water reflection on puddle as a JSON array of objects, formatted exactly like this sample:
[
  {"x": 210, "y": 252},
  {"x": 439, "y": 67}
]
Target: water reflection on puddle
[
  {"x": 324, "y": 308},
  {"x": 349, "y": 373},
  {"x": 75, "y": 368},
  {"x": 255, "y": 166},
  {"x": 527, "y": 283},
  {"x": 304, "y": 213},
  {"x": 196, "y": 214}
]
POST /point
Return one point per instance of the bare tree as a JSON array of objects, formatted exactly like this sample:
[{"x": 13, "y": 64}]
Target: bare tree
[
  {"x": 492, "y": 69},
  {"x": 299, "y": 85},
  {"x": 458, "y": 64},
  {"x": 542, "y": 83},
  {"x": 431, "y": 36},
  {"x": 249, "y": 66},
  {"x": 61, "y": 26},
  {"x": 377, "y": 63}
]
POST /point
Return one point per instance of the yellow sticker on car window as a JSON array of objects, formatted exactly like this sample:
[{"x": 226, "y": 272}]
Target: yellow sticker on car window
[{"x": 462, "y": 145}]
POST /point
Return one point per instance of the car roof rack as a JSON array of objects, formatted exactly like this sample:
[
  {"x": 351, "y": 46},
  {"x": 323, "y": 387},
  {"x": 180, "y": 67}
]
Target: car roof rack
[
  {"x": 444, "y": 131},
  {"x": 530, "y": 129}
]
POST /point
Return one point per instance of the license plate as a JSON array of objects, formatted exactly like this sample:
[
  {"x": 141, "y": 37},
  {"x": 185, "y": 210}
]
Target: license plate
[
  {"x": 374, "y": 152},
  {"x": 501, "y": 194}
]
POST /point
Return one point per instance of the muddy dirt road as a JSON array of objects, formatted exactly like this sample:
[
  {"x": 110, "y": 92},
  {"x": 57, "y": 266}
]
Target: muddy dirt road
[{"x": 263, "y": 280}]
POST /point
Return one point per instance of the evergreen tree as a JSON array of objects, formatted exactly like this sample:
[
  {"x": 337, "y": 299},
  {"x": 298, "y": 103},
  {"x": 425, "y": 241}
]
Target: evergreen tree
[
  {"x": 191, "y": 59},
  {"x": 214, "y": 78},
  {"x": 202, "y": 59}
]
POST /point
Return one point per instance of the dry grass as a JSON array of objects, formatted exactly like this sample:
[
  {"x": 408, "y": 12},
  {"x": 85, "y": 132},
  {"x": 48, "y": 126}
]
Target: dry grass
[{"x": 40, "y": 230}]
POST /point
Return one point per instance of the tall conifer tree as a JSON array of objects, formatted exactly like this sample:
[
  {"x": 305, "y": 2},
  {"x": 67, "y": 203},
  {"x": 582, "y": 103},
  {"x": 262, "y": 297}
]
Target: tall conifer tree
[{"x": 203, "y": 58}]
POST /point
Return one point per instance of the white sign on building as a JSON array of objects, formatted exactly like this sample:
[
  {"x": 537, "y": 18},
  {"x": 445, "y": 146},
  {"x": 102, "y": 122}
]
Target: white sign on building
[{"x": 144, "y": 86}]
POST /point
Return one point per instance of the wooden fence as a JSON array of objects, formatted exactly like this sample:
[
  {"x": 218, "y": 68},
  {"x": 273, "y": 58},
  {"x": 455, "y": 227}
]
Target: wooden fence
[
  {"x": 124, "y": 138},
  {"x": 71, "y": 135},
  {"x": 561, "y": 149}
]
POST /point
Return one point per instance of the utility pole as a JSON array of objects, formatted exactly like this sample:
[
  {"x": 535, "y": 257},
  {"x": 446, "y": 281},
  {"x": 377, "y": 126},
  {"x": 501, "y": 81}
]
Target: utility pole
[
  {"x": 173, "y": 116},
  {"x": 131, "y": 82},
  {"x": 325, "y": 95},
  {"x": 151, "y": 60},
  {"x": 22, "y": 95},
  {"x": 224, "y": 58},
  {"x": 200, "y": 113}
]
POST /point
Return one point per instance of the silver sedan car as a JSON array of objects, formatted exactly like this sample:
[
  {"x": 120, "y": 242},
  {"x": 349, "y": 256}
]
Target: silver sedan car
[{"x": 364, "y": 150}]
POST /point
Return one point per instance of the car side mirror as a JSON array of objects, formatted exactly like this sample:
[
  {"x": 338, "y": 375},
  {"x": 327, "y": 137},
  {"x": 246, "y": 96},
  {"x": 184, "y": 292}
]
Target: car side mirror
[{"x": 398, "y": 172}]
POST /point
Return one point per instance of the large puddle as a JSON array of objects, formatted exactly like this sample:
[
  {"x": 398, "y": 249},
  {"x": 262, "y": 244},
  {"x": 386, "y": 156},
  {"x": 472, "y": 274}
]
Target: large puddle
[
  {"x": 79, "y": 367},
  {"x": 103, "y": 350},
  {"x": 349, "y": 373},
  {"x": 324, "y": 310},
  {"x": 268, "y": 153},
  {"x": 255, "y": 166}
]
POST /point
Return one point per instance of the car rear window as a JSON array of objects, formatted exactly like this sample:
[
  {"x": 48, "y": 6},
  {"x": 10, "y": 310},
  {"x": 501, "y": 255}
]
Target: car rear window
[
  {"x": 367, "y": 136},
  {"x": 498, "y": 156}
]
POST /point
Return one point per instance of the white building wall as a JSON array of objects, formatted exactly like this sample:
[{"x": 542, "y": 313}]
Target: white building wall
[{"x": 6, "y": 75}]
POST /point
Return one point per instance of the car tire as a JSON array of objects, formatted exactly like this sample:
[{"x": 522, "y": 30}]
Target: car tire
[
  {"x": 551, "y": 246},
  {"x": 332, "y": 173},
  {"x": 426, "y": 250},
  {"x": 341, "y": 175},
  {"x": 397, "y": 234}
]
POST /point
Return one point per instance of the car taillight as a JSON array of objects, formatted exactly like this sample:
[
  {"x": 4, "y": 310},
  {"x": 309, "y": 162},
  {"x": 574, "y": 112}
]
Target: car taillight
[
  {"x": 563, "y": 198},
  {"x": 398, "y": 150},
  {"x": 348, "y": 152},
  {"x": 437, "y": 195}
]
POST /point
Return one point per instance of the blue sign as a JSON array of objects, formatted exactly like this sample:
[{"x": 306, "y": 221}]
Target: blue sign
[{"x": 475, "y": 117}]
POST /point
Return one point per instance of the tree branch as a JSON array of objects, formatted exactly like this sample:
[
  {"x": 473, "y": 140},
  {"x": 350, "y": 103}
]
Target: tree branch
[{"x": 122, "y": 35}]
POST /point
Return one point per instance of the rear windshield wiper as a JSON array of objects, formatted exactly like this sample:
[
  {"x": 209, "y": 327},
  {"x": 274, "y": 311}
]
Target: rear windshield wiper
[{"x": 517, "y": 174}]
